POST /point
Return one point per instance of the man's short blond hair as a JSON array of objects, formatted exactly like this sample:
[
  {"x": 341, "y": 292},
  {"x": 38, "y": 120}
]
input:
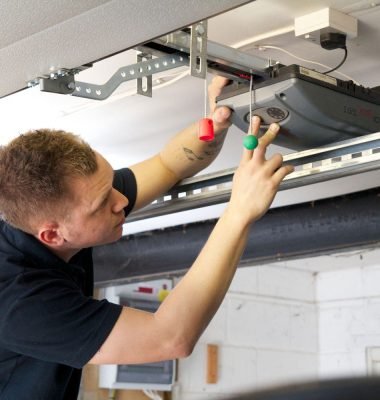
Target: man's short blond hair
[{"x": 35, "y": 169}]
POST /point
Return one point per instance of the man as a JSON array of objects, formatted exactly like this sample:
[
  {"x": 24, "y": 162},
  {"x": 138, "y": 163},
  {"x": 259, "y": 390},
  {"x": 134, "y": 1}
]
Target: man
[{"x": 58, "y": 198}]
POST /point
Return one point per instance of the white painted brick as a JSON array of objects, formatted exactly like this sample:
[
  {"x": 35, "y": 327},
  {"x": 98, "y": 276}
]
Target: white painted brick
[
  {"x": 336, "y": 326},
  {"x": 371, "y": 280},
  {"x": 286, "y": 283},
  {"x": 244, "y": 281},
  {"x": 236, "y": 370},
  {"x": 337, "y": 285},
  {"x": 271, "y": 330},
  {"x": 370, "y": 258},
  {"x": 241, "y": 322},
  {"x": 361, "y": 342},
  {"x": 304, "y": 328},
  {"x": 198, "y": 396},
  {"x": 326, "y": 263},
  {"x": 280, "y": 367},
  {"x": 217, "y": 329},
  {"x": 342, "y": 364},
  {"x": 192, "y": 370},
  {"x": 257, "y": 324},
  {"x": 372, "y": 316}
]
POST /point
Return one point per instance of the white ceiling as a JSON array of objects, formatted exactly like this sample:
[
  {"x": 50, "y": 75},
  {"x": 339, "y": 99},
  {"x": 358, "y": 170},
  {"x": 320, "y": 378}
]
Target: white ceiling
[
  {"x": 127, "y": 128},
  {"x": 40, "y": 35}
]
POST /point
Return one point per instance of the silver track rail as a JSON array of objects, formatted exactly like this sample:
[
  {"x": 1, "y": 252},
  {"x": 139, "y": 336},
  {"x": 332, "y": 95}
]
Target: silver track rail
[
  {"x": 311, "y": 166},
  {"x": 218, "y": 55}
]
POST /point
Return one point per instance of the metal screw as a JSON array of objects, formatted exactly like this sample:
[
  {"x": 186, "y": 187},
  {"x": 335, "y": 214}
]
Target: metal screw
[
  {"x": 62, "y": 72},
  {"x": 200, "y": 29},
  {"x": 71, "y": 85},
  {"x": 33, "y": 82}
]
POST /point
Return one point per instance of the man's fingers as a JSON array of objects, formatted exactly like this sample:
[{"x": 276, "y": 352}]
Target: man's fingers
[
  {"x": 254, "y": 130},
  {"x": 220, "y": 117},
  {"x": 275, "y": 162},
  {"x": 214, "y": 90},
  {"x": 280, "y": 174},
  {"x": 265, "y": 141},
  {"x": 269, "y": 135}
]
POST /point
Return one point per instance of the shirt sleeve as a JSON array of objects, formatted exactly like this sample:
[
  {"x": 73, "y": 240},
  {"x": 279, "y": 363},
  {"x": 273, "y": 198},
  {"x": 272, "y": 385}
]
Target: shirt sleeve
[
  {"x": 125, "y": 182},
  {"x": 53, "y": 321}
]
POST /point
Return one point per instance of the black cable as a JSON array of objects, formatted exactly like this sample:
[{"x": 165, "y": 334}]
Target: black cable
[{"x": 340, "y": 64}]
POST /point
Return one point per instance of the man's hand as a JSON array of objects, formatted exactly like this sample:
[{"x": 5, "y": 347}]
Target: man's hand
[
  {"x": 257, "y": 179},
  {"x": 219, "y": 115}
]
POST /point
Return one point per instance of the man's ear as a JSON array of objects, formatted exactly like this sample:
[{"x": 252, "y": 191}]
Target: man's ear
[{"x": 50, "y": 235}]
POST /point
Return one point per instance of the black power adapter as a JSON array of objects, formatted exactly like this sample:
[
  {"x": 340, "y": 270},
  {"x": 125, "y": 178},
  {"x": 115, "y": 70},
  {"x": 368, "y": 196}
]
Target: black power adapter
[{"x": 333, "y": 40}]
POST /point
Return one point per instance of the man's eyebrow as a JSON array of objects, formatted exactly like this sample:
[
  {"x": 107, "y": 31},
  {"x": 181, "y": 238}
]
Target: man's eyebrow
[
  {"x": 100, "y": 202},
  {"x": 104, "y": 197}
]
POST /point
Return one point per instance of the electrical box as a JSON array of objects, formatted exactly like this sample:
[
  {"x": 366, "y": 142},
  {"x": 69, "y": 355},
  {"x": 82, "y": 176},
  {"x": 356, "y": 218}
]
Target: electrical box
[
  {"x": 311, "y": 26},
  {"x": 146, "y": 296}
]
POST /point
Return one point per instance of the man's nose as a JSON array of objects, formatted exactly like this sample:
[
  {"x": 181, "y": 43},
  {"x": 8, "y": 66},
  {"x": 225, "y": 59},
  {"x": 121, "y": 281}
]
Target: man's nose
[{"x": 120, "y": 202}]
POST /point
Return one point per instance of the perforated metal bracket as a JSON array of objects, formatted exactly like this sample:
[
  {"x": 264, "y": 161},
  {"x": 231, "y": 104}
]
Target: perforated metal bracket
[
  {"x": 173, "y": 50},
  {"x": 135, "y": 71},
  {"x": 198, "y": 50},
  {"x": 144, "y": 84},
  {"x": 63, "y": 81}
]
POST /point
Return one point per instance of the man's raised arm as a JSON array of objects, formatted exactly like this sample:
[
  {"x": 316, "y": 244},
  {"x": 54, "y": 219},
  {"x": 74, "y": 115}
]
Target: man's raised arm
[
  {"x": 173, "y": 330},
  {"x": 184, "y": 155}
]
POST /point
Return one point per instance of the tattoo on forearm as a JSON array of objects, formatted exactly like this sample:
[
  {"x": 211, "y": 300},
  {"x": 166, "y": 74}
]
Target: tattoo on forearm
[
  {"x": 213, "y": 148},
  {"x": 191, "y": 155}
]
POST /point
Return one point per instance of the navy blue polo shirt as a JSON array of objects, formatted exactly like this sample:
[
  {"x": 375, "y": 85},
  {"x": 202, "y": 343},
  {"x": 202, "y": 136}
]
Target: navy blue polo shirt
[{"x": 50, "y": 326}]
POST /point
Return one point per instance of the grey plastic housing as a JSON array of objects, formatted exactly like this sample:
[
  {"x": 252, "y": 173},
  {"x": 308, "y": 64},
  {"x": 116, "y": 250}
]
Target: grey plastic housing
[{"x": 312, "y": 109}]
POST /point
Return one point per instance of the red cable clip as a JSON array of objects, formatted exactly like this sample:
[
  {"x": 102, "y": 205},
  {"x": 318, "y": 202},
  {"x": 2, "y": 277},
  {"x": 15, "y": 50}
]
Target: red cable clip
[{"x": 206, "y": 130}]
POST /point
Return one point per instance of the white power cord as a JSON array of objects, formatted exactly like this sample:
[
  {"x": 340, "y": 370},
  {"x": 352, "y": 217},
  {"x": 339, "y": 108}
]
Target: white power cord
[{"x": 304, "y": 60}]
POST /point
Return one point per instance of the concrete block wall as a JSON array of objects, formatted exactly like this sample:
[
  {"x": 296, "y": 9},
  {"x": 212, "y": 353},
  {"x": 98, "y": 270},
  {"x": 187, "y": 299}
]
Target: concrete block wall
[
  {"x": 349, "y": 314},
  {"x": 284, "y": 322},
  {"x": 266, "y": 330}
]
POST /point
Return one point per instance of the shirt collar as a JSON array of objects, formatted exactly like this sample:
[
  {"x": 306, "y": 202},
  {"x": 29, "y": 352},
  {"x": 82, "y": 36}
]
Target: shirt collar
[{"x": 27, "y": 246}]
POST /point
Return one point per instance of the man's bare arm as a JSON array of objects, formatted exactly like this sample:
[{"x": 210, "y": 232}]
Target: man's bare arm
[
  {"x": 184, "y": 155},
  {"x": 173, "y": 330}
]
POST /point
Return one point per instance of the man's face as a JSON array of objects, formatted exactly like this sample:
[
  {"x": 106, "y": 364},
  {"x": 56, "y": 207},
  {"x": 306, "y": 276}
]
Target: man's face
[{"x": 97, "y": 214}]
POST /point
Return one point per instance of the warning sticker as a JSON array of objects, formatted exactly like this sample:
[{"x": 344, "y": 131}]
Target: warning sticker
[{"x": 318, "y": 75}]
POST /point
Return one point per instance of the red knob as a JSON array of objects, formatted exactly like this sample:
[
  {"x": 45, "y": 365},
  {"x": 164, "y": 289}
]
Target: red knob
[{"x": 206, "y": 130}]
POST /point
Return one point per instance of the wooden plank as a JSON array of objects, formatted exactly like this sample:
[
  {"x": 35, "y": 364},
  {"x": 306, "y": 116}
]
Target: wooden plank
[{"x": 212, "y": 364}]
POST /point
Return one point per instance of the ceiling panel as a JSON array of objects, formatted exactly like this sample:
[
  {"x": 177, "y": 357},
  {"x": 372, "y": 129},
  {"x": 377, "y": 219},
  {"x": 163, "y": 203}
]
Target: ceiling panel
[
  {"x": 23, "y": 18},
  {"x": 37, "y": 36}
]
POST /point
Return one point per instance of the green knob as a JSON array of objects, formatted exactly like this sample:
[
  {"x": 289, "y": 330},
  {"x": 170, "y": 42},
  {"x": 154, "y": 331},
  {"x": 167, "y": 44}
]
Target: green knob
[{"x": 250, "y": 142}]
